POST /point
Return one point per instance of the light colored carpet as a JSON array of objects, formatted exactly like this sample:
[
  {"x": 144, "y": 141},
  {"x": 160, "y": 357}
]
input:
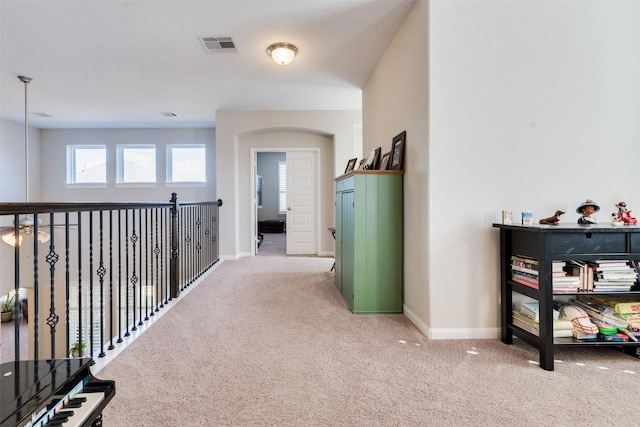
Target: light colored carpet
[
  {"x": 269, "y": 341},
  {"x": 273, "y": 244}
]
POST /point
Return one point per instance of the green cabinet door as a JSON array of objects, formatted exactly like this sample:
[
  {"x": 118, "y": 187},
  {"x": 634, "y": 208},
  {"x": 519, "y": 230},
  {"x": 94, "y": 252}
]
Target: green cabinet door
[{"x": 369, "y": 241}]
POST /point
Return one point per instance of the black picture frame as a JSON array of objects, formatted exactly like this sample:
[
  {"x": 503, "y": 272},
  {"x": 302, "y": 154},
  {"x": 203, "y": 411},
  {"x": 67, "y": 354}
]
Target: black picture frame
[
  {"x": 397, "y": 151},
  {"x": 362, "y": 164},
  {"x": 350, "y": 165},
  {"x": 384, "y": 161}
]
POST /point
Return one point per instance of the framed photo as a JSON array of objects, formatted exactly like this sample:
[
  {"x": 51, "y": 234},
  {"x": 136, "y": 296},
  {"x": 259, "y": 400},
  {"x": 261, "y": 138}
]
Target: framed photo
[
  {"x": 397, "y": 151},
  {"x": 350, "y": 165},
  {"x": 373, "y": 160},
  {"x": 384, "y": 162},
  {"x": 361, "y": 164}
]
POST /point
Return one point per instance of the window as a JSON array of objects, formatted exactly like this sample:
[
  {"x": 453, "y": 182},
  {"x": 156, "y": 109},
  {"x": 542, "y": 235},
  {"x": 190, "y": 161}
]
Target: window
[
  {"x": 282, "y": 187},
  {"x": 186, "y": 163},
  {"x": 136, "y": 164},
  {"x": 86, "y": 164}
]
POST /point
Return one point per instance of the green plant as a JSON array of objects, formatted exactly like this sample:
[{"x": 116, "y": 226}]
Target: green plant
[
  {"x": 78, "y": 346},
  {"x": 8, "y": 301}
]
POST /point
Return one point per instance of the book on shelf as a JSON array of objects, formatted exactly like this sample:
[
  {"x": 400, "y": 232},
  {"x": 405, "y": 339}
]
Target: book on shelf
[
  {"x": 621, "y": 303},
  {"x": 525, "y": 260},
  {"x": 525, "y": 276},
  {"x": 532, "y": 311},
  {"x": 561, "y": 328},
  {"x": 609, "y": 264},
  {"x": 526, "y": 270},
  {"x": 558, "y": 267},
  {"x": 617, "y": 337},
  {"x": 525, "y": 282},
  {"x": 581, "y": 335}
]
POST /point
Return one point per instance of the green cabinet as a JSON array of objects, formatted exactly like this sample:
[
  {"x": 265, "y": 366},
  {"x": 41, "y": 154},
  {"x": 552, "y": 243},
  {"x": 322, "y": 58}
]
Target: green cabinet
[{"x": 369, "y": 240}]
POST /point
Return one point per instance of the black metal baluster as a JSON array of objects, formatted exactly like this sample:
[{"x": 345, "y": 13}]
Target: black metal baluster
[
  {"x": 140, "y": 268},
  {"x": 174, "y": 277},
  {"x": 146, "y": 265},
  {"x": 101, "y": 272},
  {"x": 91, "y": 304},
  {"x": 36, "y": 293},
  {"x": 16, "y": 283},
  {"x": 111, "y": 334},
  {"x": 52, "y": 259},
  {"x": 134, "y": 278},
  {"x": 120, "y": 276},
  {"x": 67, "y": 281},
  {"x": 156, "y": 253},
  {"x": 80, "y": 334},
  {"x": 127, "y": 262},
  {"x": 163, "y": 255}
]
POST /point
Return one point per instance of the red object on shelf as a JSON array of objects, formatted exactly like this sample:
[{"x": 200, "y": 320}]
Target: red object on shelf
[{"x": 627, "y": 218}]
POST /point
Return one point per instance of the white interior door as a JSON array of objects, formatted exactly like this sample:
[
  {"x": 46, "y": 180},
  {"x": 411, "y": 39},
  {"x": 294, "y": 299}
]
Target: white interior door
[{"x": 301, "y": 202}]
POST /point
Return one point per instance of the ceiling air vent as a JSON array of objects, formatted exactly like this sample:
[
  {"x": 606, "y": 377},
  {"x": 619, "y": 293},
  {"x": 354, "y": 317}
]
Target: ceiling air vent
[{"x": 219, "y": 44}]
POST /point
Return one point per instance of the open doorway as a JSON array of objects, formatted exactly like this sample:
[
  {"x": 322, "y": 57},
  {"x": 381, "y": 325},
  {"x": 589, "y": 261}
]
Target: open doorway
[
  {"x": 271, "y": 176},
  {"x": 287, "y": 201}
]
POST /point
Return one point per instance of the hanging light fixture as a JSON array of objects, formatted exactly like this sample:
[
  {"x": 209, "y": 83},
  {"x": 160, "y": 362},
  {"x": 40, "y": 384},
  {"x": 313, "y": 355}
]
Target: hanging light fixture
[
  {"x": 26, "y": 224},
  {"x": 10, "y": 239},
  {"x": 282, "y": 53}
]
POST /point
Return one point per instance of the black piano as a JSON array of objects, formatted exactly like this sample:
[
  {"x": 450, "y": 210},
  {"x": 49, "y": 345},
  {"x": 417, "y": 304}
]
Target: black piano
[{"x": 52, "y": 393}]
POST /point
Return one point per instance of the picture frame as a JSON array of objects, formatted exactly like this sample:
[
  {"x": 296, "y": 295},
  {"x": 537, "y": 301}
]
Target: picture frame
[
  {"x": 373, "y": 161},
  {"x": 362, "y": 164},
  {"x": 350, "y": 165},
  {"x": 397, "y": 151},
  {"x": 384, "y": 161}
]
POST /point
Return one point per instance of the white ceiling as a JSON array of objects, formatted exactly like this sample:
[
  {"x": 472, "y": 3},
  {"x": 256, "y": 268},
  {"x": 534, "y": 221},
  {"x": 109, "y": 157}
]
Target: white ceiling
[{"x": 114, "y": 63}]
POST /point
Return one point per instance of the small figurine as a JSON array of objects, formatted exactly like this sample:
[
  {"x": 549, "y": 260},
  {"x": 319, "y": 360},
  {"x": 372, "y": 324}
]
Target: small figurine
[
  {"x": 615, "y": 220},
  {"x": 552, "y": 219},
  {"x": 587, "y": 209},
  {"x": 625, "y": 214}
]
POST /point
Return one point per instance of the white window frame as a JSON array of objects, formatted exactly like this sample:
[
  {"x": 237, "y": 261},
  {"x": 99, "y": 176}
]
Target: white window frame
[
  {"x": 72, "y": 166},
  {"x": 169, "y": 177},
  {"x": 282, "y": 187},
  {"x": 120, "y": 182}
]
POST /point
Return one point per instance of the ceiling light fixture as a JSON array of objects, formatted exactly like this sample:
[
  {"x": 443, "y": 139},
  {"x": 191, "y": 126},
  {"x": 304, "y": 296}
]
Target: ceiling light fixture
[{"x": 282, "y": 53}]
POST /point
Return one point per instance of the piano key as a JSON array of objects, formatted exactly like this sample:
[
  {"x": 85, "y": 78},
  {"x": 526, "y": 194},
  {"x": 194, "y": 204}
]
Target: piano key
[{"x": 93, "y": 400}]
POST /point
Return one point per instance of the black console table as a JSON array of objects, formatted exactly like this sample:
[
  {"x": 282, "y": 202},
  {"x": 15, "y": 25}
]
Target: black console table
[{"x": 563, "y": 242}]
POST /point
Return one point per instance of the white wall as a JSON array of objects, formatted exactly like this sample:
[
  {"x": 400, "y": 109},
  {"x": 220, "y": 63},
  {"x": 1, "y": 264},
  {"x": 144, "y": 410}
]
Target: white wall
[
  {"x": 542, "y": 96},
  {"x": 53, "y": 147},
  {"x": 531, "y": 106},
  {"x": 233, "y": 162},
  {"x": 395, "y": 98},
  {"x": 12, "y": 164}
]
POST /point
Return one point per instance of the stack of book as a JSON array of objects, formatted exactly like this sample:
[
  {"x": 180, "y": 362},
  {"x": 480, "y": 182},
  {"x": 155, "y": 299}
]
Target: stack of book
[
  {"x": 524, "y": 271},
  {"x": 626, "y": 307},
  {"x": 562, "y": 281},
  {"x": 528, "y": 319},
  {"x": 613, "y": 276}
]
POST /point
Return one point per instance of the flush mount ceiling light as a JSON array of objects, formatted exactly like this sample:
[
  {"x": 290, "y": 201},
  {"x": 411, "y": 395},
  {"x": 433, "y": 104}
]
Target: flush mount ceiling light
[{"x": 282, "y": 53}]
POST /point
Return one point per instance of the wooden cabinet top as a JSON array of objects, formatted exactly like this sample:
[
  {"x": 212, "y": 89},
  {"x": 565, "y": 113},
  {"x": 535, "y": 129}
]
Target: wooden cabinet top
[
  {"x": 570, "y": 228},
  {"x": 369, "y": 172}
]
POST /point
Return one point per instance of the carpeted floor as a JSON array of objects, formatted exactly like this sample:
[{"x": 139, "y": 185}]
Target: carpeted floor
[
  {"x": 273, "y": 244},
  {"x": 269, "y": 341}
]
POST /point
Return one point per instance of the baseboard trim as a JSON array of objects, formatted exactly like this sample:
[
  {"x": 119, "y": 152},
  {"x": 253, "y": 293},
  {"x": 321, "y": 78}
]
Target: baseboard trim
[{"x": 450, "y": 333}]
